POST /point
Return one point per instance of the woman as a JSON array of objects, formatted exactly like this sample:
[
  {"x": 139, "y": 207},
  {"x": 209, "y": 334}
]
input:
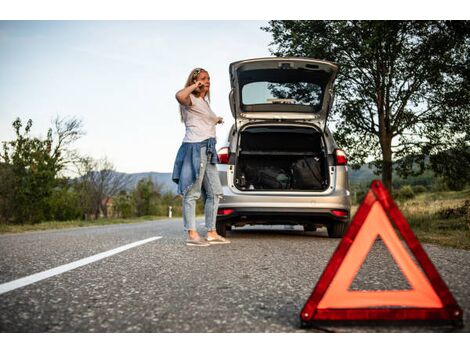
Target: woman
[{"x": 195, "y": 165}]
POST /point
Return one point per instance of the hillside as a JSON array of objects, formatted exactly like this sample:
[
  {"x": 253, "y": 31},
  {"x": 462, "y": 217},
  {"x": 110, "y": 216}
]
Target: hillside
[{"x": 163, "y": 178}]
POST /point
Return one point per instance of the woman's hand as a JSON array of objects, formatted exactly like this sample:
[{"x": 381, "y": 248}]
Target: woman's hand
[
  {"x": 198, "y": 85},
  {"x": 183, "y": 95}
]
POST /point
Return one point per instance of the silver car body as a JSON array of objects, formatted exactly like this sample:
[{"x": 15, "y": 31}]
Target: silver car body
[{"x": 308, "y": 208}]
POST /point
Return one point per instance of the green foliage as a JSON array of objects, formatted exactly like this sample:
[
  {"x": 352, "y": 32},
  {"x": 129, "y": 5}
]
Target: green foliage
[
  {"x": 144, "y": 197},
  {"x": 32, "y": 189},
  {"x": 454, "y": 167},
  {"x": 419, "y": 189},
  {"x": 148, "y": 199},
  {"x": 403, "y": 88},
  {"x": 124, "y": 207},
  {"x": 30, "y": 170},
  {"x": 440, "y": 185},
  {"x": 405, "y": 193},
  {"x": 7, "y": 196},
  {"x": 64, "y": 204},
  {"x": 169, "y": 199},
  {"x": 33, "y": 171}
]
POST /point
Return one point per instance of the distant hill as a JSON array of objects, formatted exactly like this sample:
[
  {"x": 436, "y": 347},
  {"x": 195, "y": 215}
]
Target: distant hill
[
  {"x": 163, "y": 178},
  {"x": 364, "y": 174}
]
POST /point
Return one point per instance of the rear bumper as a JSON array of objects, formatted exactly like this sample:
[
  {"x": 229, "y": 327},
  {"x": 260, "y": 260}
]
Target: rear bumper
[{"x": 272, "y": 216}]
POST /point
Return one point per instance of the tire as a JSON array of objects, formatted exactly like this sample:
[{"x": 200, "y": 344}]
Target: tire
[
  {"x": 221, "y": 228},
  {"x": 337, "y": 229},
  {"x": 310, "y": 228}
]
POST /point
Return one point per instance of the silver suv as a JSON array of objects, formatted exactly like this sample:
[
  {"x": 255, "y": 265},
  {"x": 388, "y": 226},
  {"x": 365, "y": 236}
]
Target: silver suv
[{"x": 280, "y": 164}]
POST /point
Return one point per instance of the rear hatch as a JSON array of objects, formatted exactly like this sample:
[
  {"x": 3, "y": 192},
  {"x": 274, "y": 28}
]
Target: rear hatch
[{"x": 280, "y": 89}]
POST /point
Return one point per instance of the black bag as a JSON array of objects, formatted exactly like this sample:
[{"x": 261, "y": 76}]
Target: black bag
[
  {"x": 307, "y": 173},
  {"x": 272, "y": 178}
]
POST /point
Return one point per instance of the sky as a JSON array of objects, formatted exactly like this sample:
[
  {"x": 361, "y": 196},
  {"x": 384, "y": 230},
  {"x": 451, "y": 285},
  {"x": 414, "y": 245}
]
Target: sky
[{"x": 120, "y": 79}]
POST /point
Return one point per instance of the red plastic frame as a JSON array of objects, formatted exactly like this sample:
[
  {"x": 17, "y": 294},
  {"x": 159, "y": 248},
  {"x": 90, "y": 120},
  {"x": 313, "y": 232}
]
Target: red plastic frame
[{"x": 450, "y": 311}]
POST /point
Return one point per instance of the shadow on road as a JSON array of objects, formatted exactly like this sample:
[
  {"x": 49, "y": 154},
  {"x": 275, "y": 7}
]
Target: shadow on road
[{"x": 247, "y": 232}]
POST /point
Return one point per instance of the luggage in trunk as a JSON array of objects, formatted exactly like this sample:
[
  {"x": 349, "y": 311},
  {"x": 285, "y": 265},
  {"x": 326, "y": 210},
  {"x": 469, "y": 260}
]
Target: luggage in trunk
[
  {"x": 307, "y": 173},
  {"x": 281, "y": 158}
]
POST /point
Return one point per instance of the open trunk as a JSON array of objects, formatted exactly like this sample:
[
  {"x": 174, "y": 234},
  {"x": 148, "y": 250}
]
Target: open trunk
[{"x": 281, "y": 158}]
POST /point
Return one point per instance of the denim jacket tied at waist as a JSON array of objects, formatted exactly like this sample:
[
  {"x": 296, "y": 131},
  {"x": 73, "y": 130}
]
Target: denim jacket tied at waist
[{"x": 188, "y": 161}]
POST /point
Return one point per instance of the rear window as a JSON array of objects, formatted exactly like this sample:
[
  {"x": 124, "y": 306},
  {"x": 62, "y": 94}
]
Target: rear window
[
  {"x": 282, "y": 90},
  {"x": 295, "y": 93}
]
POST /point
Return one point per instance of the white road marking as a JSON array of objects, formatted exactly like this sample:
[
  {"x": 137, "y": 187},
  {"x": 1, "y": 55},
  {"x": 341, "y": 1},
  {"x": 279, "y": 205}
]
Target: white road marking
[{"x": 31, "y": 279}]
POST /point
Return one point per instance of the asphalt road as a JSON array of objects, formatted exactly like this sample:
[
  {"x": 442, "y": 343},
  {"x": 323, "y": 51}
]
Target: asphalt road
[{"x": 258, "y": 283}]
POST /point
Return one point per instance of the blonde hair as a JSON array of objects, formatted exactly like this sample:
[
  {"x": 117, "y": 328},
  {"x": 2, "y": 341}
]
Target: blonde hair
[{"x": 191, "y": 78}]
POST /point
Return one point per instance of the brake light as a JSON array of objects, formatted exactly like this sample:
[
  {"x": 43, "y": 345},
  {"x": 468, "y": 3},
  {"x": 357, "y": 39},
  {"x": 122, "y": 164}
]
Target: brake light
[
  {"x": 340, "y": 157},
  {"x": 223, "y": 155},
  {"x": 224, "y": 211},
  {"x": 340, "y": 213}
]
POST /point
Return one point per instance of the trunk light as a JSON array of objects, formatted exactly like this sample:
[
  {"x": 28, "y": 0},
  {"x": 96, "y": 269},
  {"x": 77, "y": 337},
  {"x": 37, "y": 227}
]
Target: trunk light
[
  {"x": 223, "y": 155},
  {"x": 224, "y": 211},
  {"x": 340, "y": 157},
  {"x": 340, "y": 213}
]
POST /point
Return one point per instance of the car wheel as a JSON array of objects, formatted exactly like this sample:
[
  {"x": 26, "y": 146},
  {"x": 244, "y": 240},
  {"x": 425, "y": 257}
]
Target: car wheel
[
  {"x": 337, "y": 229},
  {"x": 310, "y": 228},
  {"x": 221, "y": 228}
]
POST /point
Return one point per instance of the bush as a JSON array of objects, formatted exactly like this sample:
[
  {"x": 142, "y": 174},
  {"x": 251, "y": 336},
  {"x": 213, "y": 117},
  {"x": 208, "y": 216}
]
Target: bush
[
  {"x": 405, "y": 193},
  {"x": 440, "y": 185},
  {"x": 124, "y": 206},
  {"x": 419, "y": 189},
  {"x": 7, "y": 195},
  {"x": 63, "y": 205}
]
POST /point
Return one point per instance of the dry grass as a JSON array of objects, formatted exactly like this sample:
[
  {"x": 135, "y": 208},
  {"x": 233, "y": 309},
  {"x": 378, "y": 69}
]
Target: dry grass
[
  {"x": 436, "y": 219},
  {"x": 426, "y": 214}
]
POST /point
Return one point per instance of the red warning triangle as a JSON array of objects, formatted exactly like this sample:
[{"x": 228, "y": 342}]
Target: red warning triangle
[{"x": 428, "y": 299}]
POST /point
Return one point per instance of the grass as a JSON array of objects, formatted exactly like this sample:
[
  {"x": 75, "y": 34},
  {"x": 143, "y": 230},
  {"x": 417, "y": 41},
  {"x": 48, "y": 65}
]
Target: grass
[
  {"x": 52, "y": 225},
  {"x": 426, "y": 215}
]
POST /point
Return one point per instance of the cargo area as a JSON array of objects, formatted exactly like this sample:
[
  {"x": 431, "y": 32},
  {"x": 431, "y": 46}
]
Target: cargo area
[{"x": 281, "y": 158}]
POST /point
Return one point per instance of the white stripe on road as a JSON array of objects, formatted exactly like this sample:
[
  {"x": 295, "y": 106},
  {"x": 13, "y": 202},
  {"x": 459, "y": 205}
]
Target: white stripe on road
[{"x": 31, "y": 279}]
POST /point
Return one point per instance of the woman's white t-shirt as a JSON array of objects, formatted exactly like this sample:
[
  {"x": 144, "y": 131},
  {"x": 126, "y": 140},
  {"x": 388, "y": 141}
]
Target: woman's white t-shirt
[{"x": 199, "y": 120}]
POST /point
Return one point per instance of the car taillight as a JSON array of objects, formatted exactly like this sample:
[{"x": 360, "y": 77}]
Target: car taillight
[
  {"x": 224, "y": 211},
  {"x": 340, "y": 213},
  {"x": 223, "y": 155},
  {"x": 340, "y": 157}
]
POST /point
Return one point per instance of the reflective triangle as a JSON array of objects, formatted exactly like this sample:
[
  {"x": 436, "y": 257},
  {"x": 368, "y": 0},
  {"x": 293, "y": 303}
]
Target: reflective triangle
[
  {"x": 338, "y": 294},
  {"x": 428, "y": 299}
]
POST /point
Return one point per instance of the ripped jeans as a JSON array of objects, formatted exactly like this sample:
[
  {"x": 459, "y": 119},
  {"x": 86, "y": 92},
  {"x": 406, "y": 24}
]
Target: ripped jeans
[{"x": 209, "y": 179}]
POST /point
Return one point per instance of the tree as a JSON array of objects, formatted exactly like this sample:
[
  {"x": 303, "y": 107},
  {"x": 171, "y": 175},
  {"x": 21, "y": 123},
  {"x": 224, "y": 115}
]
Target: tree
[
  {"x": 402, "y": 92},
  {"x": 124, "y": 205},
  {"x": 31, "y": 165},
  {"x": 7, "y": 195},
  {"x": 454, "y": 166},
  {"x": 98, "y": 183},
  {"x": 145, "y": 195}
]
